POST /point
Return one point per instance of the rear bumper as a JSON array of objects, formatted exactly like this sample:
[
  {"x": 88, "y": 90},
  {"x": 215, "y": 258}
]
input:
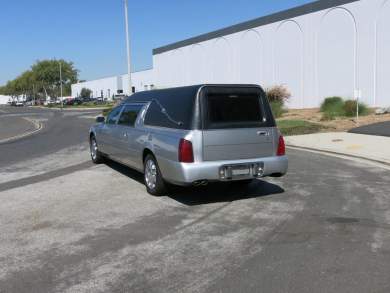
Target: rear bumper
[{"x": 186, "y": 174}]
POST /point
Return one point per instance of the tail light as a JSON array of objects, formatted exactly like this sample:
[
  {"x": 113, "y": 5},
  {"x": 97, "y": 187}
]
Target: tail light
[
  {"x": 186, "y": 154},
  {"x": 281, "y": 147}
]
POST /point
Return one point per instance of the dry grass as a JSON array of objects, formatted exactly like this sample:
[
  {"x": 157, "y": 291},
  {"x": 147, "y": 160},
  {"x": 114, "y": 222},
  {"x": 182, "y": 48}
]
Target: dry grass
[{"x": 339, "y": 124}]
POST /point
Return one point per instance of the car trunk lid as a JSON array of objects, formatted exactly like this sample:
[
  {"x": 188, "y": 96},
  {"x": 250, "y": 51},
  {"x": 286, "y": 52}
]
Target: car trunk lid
[{"x": 237, "y": 124}]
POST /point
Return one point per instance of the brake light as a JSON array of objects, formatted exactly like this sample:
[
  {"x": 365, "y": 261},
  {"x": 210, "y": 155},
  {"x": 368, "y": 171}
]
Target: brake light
[
  {"x": 281, "y": 147},
  {"x": 186, "y": 154}
]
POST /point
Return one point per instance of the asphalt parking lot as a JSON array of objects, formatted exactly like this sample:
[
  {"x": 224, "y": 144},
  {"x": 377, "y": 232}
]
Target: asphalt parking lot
[
  {"x": 70, "y": 226},
  {"x": 15, "y": 127},
  {"x": 381, "y": 129}
]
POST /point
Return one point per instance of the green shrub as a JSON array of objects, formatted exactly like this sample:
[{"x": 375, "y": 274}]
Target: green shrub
[
  {"x": 277, "y": 96},
  {"x": 278, "y": 93},
  {"x": 350, "y": 108},
  {"x": 332, "y": 107},
  {"x": 277, "y": 108}
]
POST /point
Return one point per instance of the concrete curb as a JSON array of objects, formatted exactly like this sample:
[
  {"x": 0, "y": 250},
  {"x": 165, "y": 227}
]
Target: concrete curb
[
  {"x": 72, "y": 109},
  {"x": 387, "y": 164},
  {"x": 38, "y": 127}
]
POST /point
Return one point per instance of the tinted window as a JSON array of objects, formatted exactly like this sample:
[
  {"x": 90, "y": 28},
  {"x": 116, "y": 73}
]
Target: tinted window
[
  {"x": 113, "y": 116},
  {"x": 233, "y": 110},
  {"x": 155, "y": 117},
  {"x": 179, "y": 104},
  {"x": 129, "y": 115}
]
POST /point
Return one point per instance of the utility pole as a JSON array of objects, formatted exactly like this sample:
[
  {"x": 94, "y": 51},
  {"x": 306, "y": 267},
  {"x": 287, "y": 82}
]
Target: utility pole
[
  {"x": 128, "y": 46},
  {"x": 62, "y": 99},
  {"x": 34, "y": 95}
]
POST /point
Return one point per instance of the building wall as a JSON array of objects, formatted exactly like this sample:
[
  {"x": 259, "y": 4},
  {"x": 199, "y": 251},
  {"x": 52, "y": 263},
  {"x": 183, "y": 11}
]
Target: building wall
[
  {"x": 4, "y": 99},
  {"x": 334, "y": 51},
  {"x": 107, "y": 87}
]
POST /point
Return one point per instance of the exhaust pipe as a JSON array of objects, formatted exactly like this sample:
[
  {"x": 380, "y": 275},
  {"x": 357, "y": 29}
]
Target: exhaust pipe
[{"x": 200, "y": 183}]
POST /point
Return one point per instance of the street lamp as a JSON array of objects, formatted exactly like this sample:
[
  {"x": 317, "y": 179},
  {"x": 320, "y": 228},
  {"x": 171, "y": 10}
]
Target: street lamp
[{"x": 128, "y": 46}]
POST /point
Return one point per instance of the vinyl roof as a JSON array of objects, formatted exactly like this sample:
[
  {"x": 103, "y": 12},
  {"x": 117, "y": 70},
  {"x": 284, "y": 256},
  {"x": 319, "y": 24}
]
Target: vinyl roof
[{"x": 264, "y": 20}]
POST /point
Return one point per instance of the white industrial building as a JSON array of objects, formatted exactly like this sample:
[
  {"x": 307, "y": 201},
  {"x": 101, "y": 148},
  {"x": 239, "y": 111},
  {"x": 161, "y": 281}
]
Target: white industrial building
[
  {"x": 109, "y": 87},
  {"x": 5, "y": 99},
  {"x": 321, "y": 49}
]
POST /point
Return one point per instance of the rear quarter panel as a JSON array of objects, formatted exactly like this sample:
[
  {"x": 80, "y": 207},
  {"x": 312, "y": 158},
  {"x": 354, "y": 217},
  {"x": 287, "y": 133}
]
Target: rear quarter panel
[{"x": 164, "y": 144}]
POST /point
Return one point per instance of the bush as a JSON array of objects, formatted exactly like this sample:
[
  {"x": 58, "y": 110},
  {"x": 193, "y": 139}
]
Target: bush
[
  {"x": 277, "y": 96},
  {"x": 350, "y": 108},
  {"x": 278, "y": 93},
  {"x": 332, "y": 107},
  {"x": 277, "y": 109}
]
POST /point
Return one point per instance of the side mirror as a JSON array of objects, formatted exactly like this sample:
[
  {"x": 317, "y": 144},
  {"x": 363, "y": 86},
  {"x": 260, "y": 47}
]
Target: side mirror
[{"x": 100, "y": 119}]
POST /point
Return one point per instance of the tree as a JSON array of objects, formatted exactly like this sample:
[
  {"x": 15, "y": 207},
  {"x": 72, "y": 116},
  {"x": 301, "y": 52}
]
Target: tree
[
  {"x": 47, "y": 75},
  {"x": 85, "y": 93},
  {"x": 43, "y": 79}
]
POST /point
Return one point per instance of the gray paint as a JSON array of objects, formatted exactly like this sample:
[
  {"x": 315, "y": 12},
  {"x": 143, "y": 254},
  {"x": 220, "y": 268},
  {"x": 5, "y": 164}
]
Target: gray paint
[{"x": 272, "y": 18}]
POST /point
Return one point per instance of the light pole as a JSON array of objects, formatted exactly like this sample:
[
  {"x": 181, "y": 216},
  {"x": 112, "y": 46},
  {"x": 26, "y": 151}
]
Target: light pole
[
  {"x": 62, "y": 99},
  {"x": 128, "y": 46}
]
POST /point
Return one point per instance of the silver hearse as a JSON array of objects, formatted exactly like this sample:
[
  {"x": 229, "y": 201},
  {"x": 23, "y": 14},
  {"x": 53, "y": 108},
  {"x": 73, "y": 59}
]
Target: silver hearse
[{"x": 192, "y": 136}]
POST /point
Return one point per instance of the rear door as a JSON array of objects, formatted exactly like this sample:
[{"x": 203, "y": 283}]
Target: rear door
[
  {"x": 128, "y": 134},
  {"x": 237, "y": 124}
]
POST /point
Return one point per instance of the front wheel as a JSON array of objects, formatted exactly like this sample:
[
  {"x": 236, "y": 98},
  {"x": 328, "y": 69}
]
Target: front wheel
[
  {"x": 152, "y": 176},
  {"x": 96, "y": 156}
]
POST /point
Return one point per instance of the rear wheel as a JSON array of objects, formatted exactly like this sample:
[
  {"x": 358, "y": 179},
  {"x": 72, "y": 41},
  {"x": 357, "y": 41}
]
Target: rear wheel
[
  {"x": 96, "y": 156},
  {"x": 152, "y": 176}
]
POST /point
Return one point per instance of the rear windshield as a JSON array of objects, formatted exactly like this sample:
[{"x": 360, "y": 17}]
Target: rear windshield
[{"x": 234, "y": 110}]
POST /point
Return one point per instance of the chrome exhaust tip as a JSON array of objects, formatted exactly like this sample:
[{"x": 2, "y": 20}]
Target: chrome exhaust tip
[
  {"x": 200, "y": 183},
  {"x": 204, "y": 182}
]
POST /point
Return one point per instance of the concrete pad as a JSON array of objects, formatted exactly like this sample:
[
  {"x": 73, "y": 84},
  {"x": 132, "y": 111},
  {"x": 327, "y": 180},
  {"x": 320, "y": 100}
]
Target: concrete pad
[
  {"x": 62, "y": 159},
  {"x": 365, "y": 146},
  {"x": 89, "y": 230}
]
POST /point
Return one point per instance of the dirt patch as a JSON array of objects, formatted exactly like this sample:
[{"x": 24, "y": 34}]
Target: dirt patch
[{"x": 339, "y": 124}]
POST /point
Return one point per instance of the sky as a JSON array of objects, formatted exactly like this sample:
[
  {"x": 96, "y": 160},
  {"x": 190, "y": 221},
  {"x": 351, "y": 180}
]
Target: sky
[{"x": 91, "y": 33}]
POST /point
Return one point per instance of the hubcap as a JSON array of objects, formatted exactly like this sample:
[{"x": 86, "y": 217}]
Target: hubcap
[
  {"x": 93, "y": 147},
  {"x": 150, "y": 174}
]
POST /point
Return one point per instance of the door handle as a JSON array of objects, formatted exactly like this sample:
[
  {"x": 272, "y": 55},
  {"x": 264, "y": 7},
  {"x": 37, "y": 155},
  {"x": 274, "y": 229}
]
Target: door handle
[{"x": 263, "y": 133}]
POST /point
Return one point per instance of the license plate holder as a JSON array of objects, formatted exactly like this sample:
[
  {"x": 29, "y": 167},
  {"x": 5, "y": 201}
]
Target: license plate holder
[
  {"x": 241, "y": 171},
  {"x": 230, "y": 172}
]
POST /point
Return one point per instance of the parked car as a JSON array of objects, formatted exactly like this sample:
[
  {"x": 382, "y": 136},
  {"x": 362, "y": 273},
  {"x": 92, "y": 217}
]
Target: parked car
[
  {"x": 87, "y": 100},
  {"x": 100, "y": 101},
  {"x": 75, "y": 101},
  {"x": 192, "y": 136},
  {"x": 19, "y": 104}
]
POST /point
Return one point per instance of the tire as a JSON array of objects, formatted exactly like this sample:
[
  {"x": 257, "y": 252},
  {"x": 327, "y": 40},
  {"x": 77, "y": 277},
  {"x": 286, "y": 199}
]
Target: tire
[
  {"x": 96, "y": 156},
  {"x": 153, "y": 179}
]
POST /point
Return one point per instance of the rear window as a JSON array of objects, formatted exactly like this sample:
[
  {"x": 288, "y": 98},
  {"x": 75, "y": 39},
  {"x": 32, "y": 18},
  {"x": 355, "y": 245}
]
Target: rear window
[{"x": 233, "y": 110}]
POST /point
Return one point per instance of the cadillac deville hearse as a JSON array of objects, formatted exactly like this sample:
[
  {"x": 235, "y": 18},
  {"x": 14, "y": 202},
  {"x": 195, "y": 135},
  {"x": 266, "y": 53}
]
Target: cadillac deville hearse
[{"x": 192, "y": 136}]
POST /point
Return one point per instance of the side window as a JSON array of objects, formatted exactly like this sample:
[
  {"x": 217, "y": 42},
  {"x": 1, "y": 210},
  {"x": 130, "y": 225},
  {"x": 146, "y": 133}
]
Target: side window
[
  {"x": 129, "y": 115},
  {"x": 113, "y": 116}
]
